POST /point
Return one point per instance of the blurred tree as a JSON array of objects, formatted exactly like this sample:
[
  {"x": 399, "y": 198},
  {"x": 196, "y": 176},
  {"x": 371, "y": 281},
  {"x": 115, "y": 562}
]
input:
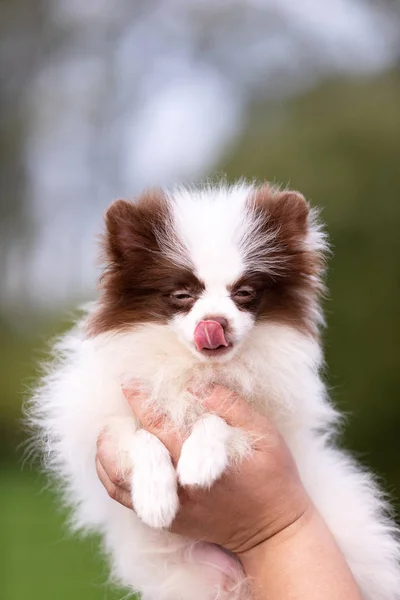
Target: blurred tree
[
  {"x": 78, "y": 77},
  {"x": 23, "y": 36}
]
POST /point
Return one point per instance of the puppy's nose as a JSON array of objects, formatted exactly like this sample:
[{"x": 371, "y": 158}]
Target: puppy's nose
[{"x": 221, "y": 320}]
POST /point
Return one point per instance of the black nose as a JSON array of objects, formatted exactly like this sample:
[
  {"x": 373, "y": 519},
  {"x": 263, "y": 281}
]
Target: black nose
[{"x": 221, "y": 320}]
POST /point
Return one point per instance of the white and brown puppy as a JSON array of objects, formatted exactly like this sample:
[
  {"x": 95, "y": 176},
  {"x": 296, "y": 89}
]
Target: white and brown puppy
[{"x": 215, "y": 285}]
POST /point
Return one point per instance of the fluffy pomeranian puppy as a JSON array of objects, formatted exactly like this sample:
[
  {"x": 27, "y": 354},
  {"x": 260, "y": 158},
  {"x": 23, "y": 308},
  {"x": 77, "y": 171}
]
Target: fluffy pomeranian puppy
[{"x": 217, "y": 285}]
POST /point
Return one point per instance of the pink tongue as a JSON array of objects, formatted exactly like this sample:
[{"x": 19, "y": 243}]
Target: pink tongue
[{"x": 210, "y": 335}]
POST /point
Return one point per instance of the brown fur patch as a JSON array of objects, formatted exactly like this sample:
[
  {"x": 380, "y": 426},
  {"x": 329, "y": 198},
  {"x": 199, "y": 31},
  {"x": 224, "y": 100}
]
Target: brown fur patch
[
  {"x": 289, "y": 292},
  {"x": 139, "y": 278},
  {"x": 283, "y": 273}
]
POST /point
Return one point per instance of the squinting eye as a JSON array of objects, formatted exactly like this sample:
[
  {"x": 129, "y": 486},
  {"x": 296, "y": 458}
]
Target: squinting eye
[
  {"x": 244, "y": 295},
  {"x": 182, "y": 296}
]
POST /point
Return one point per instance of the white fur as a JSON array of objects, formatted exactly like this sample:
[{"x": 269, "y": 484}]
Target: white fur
[
  {"x": 205, "y": 453},
  {"x": 154, "y": 495},
  {"x": 275, "y": 367}
]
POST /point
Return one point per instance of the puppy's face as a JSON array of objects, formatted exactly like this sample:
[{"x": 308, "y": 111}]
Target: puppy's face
[{"x": 210, "y": 265}]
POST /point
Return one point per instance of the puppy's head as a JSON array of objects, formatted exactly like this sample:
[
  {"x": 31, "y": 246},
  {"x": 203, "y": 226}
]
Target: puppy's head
[{"x": 211, "y": 265}]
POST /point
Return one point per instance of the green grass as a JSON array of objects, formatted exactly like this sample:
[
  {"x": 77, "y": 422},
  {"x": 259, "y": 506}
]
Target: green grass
[{"x": 40, "y": 560}]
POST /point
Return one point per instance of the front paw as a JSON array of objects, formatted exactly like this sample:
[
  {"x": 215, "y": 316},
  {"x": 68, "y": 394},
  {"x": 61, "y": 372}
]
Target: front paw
[
  {"x": 204, "y": 455},
  {"x": 155, "y": 503},
  {"x": 154, "y": 487}
]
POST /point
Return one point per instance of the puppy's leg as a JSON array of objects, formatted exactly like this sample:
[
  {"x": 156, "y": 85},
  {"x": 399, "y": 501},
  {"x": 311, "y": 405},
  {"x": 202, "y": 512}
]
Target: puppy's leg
[
  {"x": 143, "y": 459},
  {"x": 154, "y": 486},
  {"x": 206, "y": 452}
]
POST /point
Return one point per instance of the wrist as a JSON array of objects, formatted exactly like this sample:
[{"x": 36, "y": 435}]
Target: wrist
[
  {"x": 302, "y": 560},
  {"x": 294, "y": 524}
]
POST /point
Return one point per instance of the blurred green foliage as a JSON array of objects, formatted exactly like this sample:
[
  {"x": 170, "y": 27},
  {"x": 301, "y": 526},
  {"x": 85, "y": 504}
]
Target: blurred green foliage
[
  {"x": 41, "y": 560},
  {"x": 340, "y": 145}
]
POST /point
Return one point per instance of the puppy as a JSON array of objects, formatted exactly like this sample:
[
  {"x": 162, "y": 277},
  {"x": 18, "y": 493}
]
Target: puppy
[{"x": 218, "y": 285}]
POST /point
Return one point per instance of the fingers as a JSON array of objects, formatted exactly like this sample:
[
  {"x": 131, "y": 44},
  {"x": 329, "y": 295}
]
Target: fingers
[
  {"x": 115, "y": 491},
  {"x": 144, "y": 412},
  {"x": 234, "y": 410},
  {"x": 113, "y": 476},
  {"x": 155, "y": 423},
  {"x": 113, "y": 468},
  {"x": 222, "y": 402}
]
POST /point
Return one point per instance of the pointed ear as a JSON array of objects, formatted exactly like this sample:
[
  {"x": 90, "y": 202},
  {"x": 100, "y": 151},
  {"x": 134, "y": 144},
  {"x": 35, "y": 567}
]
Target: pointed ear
[
  {"x": 133, "y": 226},
  {"x": 121, "y": 229},
  {"x": 286, "y": 212}
]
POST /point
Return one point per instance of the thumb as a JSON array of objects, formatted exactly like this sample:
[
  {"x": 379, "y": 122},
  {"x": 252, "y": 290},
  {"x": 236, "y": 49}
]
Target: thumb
[{"x": 234, "y": 410}]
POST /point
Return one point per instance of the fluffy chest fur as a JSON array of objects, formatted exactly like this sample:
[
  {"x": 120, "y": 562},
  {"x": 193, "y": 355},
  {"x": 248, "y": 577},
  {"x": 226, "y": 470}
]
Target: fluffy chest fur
[{"x": 276, "y": 371}]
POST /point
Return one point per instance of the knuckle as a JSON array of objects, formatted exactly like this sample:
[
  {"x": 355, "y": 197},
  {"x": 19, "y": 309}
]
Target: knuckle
[
  {"x": 116, "y": 478},
  {"x": 193, "y": 495},
  {"x": 113, "y": 491}
]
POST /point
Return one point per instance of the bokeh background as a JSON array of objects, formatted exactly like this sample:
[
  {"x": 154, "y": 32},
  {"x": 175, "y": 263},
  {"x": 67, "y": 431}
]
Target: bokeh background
[{"x": 100, "y": 99}]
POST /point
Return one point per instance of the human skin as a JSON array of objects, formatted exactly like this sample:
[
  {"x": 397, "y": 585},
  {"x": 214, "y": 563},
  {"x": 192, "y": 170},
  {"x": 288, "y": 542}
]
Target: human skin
[{"x": 258, "y": 510}]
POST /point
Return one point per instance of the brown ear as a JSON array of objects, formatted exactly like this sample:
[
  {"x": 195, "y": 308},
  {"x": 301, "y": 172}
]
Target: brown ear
[
  {"x": 132, "y": 226},
  {"x": 286, "y": 212},
  {"x": 120, "y": 229}
]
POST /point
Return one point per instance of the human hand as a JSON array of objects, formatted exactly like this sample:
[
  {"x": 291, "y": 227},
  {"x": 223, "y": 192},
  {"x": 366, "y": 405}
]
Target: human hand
[{"x": 250, "y": 503}]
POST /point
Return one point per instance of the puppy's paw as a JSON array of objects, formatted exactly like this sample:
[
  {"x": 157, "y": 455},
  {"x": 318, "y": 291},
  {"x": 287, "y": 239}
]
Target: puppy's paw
[
  {"x": 154, "y": 487},
  {"x": 204, "y": 455},
  {"x": 201, "y": 466},
  {"x": 156, "y": 503}
]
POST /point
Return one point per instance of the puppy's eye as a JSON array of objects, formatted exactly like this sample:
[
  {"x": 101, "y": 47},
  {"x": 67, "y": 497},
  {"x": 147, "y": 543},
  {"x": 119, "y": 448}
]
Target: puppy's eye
[
  {"x": 245, "y": 293},
  {"x": 181, "y": 296}
]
